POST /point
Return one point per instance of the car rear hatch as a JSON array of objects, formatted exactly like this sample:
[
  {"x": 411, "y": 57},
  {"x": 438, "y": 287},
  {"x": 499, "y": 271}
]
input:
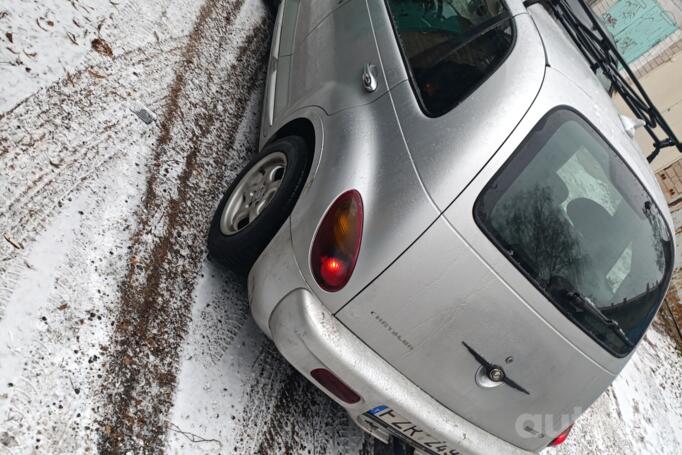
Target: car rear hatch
[
  {"x": 549, "y": 267},
  {"x": 439, "y": 295}
]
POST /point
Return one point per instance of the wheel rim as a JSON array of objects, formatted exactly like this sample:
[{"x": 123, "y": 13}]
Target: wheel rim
[{"x": 253, "y": 193}]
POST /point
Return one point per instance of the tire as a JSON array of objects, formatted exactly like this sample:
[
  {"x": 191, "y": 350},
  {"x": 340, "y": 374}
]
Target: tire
[
  {"x": 272, "y": 5},
  {"x": 237, "y": 245}
]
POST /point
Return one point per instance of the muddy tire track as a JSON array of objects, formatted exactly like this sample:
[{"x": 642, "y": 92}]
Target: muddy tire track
[
  {"x": 208, "y": 98},
  {"x": 299, "y": 418},
  {"x": 304, "y": 420}
]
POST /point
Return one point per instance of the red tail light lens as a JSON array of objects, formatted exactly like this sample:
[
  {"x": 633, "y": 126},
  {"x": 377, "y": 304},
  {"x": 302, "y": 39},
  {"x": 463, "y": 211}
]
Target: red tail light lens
[
  {"x": 337, "y": 242},
  {"x": 330, "y": 382},
  {"x": 561, "y": 438}
]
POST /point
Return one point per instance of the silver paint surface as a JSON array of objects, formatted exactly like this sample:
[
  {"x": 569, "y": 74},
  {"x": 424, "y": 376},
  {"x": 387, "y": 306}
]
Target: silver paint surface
[
  {"x": 310, "y": 337},
  {"x": 449, "y": 150}
]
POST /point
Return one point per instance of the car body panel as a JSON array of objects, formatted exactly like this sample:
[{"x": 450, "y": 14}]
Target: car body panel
[
  {"x": 302, "y": 72},
  {"x": 397, "y": 209},
  {"x": 561, "y": 52},
  {"x": 281, "y": 92},
  {"x": 450, "y": 150},
  {"x": 439, "y": 294},
  {"x": 515, "y": 6},
  {"x": 273, "y": 275},
  {"x": 308, "y": 335},
  {"x": 358, "y": 133},
  {"x": 557, "y": 91},
  {"x": 290, "y": 26},
  {"x": 392, "y": 63},
  {"x": 310, "y": 14},
  {"x": 298, "y": 19},
  {"x": 333, "y": 80}
]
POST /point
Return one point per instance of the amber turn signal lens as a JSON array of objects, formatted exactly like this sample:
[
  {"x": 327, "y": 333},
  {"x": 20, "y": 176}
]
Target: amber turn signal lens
[{"x": 337, "y": 242}]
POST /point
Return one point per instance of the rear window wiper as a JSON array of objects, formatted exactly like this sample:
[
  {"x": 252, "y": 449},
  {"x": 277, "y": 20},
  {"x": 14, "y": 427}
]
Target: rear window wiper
[
  {"x": 615, "y": 328},
  {"x": 581, "y": 303},
  {"x": 604, "y": 57}
]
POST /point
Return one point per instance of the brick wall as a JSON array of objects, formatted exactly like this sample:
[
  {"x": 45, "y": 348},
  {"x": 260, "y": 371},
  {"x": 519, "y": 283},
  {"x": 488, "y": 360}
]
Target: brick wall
[{"x": 670, "y": 180}]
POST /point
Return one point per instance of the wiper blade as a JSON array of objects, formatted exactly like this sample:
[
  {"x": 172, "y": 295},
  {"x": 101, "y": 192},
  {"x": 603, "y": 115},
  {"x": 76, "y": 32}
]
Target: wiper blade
[
  {"x": 587, "y": 305},
  {"x": 603, "y": 55},
  {"x": 615, "y": 327}
]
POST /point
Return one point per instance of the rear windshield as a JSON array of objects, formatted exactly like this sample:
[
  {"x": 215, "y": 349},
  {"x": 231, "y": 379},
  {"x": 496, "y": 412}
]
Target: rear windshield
[
  {"x": 572, "y": 216},
  {"x": 451, "y": 46}
]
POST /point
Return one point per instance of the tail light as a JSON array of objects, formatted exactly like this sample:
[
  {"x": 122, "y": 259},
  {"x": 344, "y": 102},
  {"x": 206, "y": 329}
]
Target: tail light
[
  {"x": 562, "y": 437},
  {"x": 337, "y": 242},
  {"x": 329, "y": 381}
]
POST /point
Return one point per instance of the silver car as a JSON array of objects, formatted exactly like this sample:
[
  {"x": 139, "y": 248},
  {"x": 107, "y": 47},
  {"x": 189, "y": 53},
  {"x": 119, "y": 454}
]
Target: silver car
[{"x": 449, "y": 228}]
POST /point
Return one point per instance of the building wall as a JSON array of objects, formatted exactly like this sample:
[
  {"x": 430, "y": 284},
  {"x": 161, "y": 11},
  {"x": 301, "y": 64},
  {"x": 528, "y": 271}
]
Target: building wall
[
  {"x": 663, "y": 51},
  {"x": 660, "y": 72},
  {"x": 664, "y": 86},
  {"x": 670, "y": 179}
]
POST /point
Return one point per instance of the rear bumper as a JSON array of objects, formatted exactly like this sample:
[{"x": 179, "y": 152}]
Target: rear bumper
[{"x": 310, "y": 337}]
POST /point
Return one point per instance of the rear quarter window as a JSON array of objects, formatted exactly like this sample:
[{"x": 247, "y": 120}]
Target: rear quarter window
[
  {"x": 571, "y": 215},
  {"x": 451, "y": 46}
]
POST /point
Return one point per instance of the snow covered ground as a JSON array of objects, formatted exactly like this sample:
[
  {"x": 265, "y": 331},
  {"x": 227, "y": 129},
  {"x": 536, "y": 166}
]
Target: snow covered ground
[{"x": 121, "y": 122}]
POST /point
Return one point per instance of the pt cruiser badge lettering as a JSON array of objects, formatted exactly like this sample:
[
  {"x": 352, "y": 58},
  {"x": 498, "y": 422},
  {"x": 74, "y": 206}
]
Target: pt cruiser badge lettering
[{"x": 431, "y": 172}]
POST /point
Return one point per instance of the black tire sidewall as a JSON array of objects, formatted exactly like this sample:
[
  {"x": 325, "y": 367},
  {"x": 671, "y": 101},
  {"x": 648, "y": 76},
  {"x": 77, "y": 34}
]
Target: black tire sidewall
[
  {"x": 272, "y": 5},
  {"x": 239, "y": 251}
]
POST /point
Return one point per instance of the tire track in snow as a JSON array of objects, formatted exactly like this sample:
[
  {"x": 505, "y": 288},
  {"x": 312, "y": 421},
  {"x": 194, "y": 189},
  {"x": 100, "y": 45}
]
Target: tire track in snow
[
  {"x": 62, "y": 137},
  {"x": 207, "y": 100},
  {"x": 53, "y": 337},
  {"x": 54, "y": 112}
]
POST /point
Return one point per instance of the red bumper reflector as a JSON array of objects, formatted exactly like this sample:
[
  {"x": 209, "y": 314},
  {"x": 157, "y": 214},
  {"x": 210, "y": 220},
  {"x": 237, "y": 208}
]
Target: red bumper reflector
[
  {"x": 337, "y": 388},
  {"x": 561, "y": 438}
]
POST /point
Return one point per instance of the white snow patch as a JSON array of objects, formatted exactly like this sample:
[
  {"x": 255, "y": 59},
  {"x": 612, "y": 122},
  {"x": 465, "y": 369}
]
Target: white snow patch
[
  {"x": 641, "y": 413},
  {"x": 58, "y": 318},
  {"x": 42, "y": 41}
]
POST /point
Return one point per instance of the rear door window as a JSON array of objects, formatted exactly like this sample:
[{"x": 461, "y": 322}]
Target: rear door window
[
  {"x": 451, "y": 46},
  {"x": 571, "y": 215}
]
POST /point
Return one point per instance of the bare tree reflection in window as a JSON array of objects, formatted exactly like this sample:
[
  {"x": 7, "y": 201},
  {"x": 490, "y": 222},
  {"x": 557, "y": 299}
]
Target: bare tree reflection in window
[{"x": 530, "y": 222}]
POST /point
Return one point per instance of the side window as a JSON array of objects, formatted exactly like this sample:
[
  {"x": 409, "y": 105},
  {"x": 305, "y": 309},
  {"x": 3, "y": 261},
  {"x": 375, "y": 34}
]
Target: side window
[{"x": 451, "y": 46}]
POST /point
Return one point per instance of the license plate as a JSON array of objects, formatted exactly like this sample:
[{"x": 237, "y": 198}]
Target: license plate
[{"x": 413, "y": 434}]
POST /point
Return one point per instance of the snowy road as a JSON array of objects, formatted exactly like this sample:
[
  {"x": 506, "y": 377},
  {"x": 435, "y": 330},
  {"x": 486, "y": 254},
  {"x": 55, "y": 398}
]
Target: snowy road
[{"x": 120, "y": 125}]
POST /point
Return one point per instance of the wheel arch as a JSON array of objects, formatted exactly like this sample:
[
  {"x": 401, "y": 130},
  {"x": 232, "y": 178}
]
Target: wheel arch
[{"x": 301, "y": 127}]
